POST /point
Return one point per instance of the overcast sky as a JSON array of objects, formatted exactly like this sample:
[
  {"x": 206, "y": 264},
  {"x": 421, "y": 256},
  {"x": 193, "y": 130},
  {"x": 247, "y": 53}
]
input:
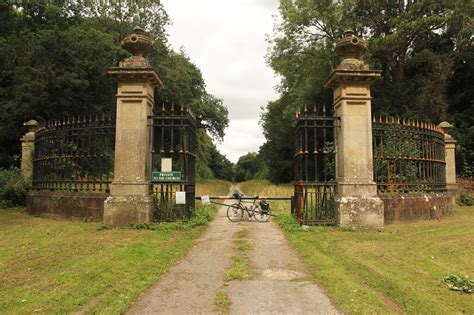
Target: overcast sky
[{"x": 226, "y": 40}]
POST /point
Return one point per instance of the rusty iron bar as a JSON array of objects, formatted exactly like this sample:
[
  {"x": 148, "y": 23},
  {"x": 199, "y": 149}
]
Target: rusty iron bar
[
  {"x": 174, "y": 135},
  {"x": 246, "y": 198},
  {"x": 408, "y": 156},
  {"x": 314, "y": 163},
  {"x": 75, "y": 154}
]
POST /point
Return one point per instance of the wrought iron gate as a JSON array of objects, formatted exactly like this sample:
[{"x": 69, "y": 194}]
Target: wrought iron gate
[
  {"x": 174, "y": 136},
  {"x": 314, "y": 160}
]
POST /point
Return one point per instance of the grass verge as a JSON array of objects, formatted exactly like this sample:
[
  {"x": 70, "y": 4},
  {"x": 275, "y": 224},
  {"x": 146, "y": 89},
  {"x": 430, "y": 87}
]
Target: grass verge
[
  {"x": 53, "y": 267},
  {"x": 398, "y": 270}
]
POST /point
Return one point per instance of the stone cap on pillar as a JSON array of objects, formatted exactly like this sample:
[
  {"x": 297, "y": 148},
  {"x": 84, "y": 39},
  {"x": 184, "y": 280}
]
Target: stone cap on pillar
[
  {"x": 351, "y": 68},
  {"x": 32, "y": 125},
  {"x": 447, "y": 128},
  {"x": 137, "y": 66}
]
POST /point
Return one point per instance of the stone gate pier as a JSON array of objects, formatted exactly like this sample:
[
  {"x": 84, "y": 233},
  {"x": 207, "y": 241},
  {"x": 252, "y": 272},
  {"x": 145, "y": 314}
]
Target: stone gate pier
[
  {"x": 130, "y": 198},
  {"x": 358, "y": 205}
]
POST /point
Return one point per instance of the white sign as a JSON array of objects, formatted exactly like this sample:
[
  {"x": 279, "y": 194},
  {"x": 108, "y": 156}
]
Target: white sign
[
  {"x": 166, "y": 164},
  {"x": 180, "y": 197},
  {"x": 205, "y": 200}
]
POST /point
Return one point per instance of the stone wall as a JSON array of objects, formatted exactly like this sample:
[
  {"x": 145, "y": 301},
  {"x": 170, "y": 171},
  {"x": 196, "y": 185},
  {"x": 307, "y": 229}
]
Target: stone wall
[
  {"x": 402, "y": 208},
  {"x": 80, "y": 206}
]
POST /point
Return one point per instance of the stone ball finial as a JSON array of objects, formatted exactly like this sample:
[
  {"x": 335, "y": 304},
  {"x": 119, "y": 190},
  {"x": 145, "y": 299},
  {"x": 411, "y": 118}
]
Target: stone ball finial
[
  {"x": 32, "y": 125},
  {"x": 137, "y": 43},
  {"x": 350, "y": 46},
  {"x": 446, "y": 127}
]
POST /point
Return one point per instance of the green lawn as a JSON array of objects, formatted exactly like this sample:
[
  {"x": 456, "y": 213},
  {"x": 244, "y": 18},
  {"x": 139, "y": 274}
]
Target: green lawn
[
  {"x": 394, "y": 271},
  {"x": 397, "y": 270},
  {"x": 49, "y": 266}
]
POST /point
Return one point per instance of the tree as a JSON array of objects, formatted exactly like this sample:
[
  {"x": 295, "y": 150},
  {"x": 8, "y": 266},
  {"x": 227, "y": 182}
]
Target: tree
[
  {"x": 250, "y": 166},
  {"x": 54, "y": 58},
  {"x": 415, "y": 44}
]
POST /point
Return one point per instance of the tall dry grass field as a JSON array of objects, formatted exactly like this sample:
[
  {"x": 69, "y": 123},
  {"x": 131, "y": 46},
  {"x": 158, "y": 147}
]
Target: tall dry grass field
[
  {"x": 213, "y": 187},
  {"x": 264, "y": 188}
]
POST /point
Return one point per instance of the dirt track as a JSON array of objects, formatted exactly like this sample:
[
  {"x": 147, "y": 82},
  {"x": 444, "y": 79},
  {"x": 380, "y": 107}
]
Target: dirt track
[{"x": 279, "y": 282}]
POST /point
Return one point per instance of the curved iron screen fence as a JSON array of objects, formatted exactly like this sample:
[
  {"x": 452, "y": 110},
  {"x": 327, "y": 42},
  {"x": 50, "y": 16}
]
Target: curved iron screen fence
[
  {"x": 75, "y": 154},
  {"x": 408, "y": 156}
]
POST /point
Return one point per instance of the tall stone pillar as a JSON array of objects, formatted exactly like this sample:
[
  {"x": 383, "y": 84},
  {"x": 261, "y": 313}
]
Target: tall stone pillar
[
  {"x": 357, "y": 201},
  {"x": 450, "y": 159},
  {"x": 130, "y": 201},
  {"x": 28, "y": 150}
]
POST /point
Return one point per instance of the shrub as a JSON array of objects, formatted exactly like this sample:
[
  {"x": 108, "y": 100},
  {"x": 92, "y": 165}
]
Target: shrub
[
  {"x": 465, "y": 199},
  {"x": 13, "y": 188}
]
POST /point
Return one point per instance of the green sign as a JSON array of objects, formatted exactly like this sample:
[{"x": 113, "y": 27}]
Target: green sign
[{"x": 166, "y": 177}]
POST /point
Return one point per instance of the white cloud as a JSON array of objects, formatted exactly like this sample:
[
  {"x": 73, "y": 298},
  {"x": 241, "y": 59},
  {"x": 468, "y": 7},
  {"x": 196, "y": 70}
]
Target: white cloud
[
  {"x": 242, "y": 136},
  {"x": 226, "y": 40}
]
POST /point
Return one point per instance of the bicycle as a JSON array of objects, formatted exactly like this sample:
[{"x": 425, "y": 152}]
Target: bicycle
[{"x": 261, "y": 211}]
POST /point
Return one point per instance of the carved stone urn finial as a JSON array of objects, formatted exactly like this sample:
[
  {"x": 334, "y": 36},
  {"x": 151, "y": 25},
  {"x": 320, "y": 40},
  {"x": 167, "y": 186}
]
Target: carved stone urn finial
[
  {"x": 32, "y": 125},
  {"x": 447, "y": 129},
  {"x": 350, "y": 48},
  {"x": 137, "y": 43}
]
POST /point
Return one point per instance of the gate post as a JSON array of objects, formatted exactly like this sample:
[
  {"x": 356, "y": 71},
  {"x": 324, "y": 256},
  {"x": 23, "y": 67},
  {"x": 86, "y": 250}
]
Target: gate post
[
  {"x": 28, "y": 150},
  {"x": 450, "y": 158},
  {"x": 130, "y": 201},
  {"x": 357, "y": 203}
]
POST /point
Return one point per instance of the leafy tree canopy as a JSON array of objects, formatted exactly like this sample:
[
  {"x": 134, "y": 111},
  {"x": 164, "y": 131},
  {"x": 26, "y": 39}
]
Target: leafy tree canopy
[
  {"x": 424, "y": 49},
  {"x": 54, "y": 57}
]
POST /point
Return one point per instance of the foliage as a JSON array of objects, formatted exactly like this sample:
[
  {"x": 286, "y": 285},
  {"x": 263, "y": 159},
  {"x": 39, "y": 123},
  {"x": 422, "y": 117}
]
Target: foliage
[
  {"x": 250, "y": 166},
  {"x": 211, "y": 163},
  {"x": 13, "y": 188},
  {"x": 459, "y": 283},
  {"x": 54, "y": 58},
  {"x": 465, "y": 199},
  {"x": 424, "y": 49},
  {"x": 202, "y": 215}
]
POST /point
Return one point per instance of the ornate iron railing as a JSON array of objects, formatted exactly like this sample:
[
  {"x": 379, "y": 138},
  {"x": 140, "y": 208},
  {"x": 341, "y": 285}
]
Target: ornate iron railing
[
  {"x": 408, "y": 156},
  {"x": 75, "y": 154},
  {"x": 314, "y": 145},
  {"x": 315, "y": 168},
  {"x": 175, "y": 137}
]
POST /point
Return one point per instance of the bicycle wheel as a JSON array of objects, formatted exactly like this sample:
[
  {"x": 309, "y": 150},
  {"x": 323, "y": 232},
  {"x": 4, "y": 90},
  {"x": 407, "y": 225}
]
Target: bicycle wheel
[
  {"x": 261, "y": 216},
  {"x": 235, "y": 213}
]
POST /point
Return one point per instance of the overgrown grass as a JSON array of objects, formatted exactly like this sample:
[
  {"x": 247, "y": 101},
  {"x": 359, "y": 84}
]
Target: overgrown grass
[
  {"x": 239, "y": 269},
  {"x": 222, "y": 302},
  {"x": 53, "y": 267},
  {"x": 214, "y": 187},
  {"x": 398, "y": 270}
]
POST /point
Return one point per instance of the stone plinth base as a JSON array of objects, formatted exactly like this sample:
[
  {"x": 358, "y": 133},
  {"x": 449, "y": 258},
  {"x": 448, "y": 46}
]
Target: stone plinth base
[
  {"x": 402, "y": 208},
  {"x": 360, "y": 212},
  {"x": 74, "y": 206},
  {"x": 126, "y": 210}
]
